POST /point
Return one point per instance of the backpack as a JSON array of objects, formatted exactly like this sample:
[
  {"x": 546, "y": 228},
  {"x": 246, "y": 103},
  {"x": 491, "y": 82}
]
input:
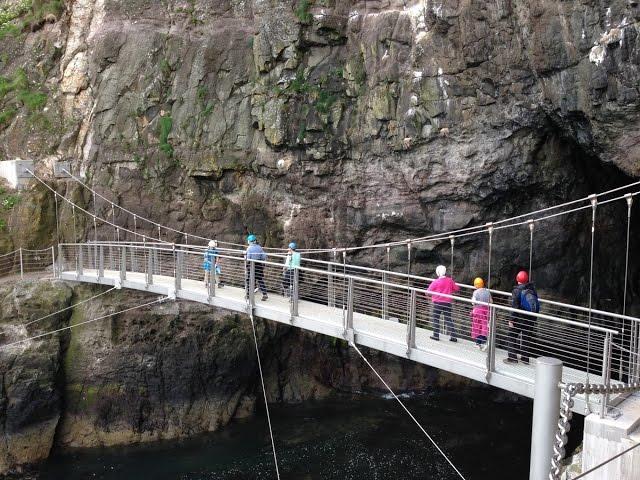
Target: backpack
[{"x": 529, "y": 300}]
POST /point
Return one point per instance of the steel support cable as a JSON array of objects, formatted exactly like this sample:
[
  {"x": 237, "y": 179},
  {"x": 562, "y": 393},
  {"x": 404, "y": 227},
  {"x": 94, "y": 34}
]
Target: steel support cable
[
  {"x": 626, "y": 276},
  {"x": 74, "y": 206},
  {"x": 264, "y": 394},
  {"x": 69, "y": 307},
  {"x": 531, "y": 227},
  {"x": 490, "y": 230},
  {"x": 444, "y": 455},
  {"x": 55, "y": 200},
  {"x": 498, "y": 222},
  {"x": 69, "y": 327},
  {"x": 594, "y": 206}
]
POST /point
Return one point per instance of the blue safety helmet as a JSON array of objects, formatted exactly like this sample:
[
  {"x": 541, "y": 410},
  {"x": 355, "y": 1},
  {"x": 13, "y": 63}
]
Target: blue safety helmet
[
  {"x": 252, "y": 238},
  {"x": 293, "y": 246}
]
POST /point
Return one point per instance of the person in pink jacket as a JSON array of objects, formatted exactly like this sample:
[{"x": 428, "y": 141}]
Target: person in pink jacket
[{"x": 441, "y": 304}]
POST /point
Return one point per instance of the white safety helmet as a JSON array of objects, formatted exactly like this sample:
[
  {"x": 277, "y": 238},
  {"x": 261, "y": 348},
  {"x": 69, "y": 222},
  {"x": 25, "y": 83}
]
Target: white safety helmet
[
  {"x": 441, "y": 271},
  {"x": 213, "y": 243}
]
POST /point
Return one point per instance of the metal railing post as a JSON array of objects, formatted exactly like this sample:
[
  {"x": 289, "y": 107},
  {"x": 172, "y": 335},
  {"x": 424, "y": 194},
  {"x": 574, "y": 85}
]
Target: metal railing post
[
  {"x": 491, "y": 351},
  {"x": 80, "y": 260},
  {"x": 179, "y": 259},
  {"x": 100, "y": 261},
  {"x": 149, "y": 275},
  {"x": 385, "y": 297},
  {"x": 60, "y": 260},
  {"x": 348, "y": 327},
  {"x": 211, "y": 285},
  {"x": 606, "y": 373},
  {"x": 21, "y": 265},
  {"x": 252, "y": 283},
  {"x": 546, "y": 412},
  {"x": 53, "y": 261},
  {"x": 411, "y": 323},
  {"x": 123, "y": 264},
  {"x": 294, "y": 293}
]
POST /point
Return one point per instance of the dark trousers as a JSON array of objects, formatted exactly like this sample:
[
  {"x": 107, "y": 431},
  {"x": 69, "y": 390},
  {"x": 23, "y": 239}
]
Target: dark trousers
[
  {"x": 445, "y": 310},
  {"x": 481, "y": 340},
  {"x": 521, "y": 338},
  {"x": 259, "y": 277}
]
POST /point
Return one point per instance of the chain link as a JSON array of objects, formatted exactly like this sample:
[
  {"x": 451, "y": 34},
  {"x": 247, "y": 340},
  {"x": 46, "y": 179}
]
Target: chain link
[{"x": 564, "y": 423}]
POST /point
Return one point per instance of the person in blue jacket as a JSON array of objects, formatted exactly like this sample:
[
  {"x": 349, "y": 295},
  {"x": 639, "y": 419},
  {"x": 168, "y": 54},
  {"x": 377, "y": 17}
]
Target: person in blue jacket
[
  {"x": 255, "y": 252},
  {"x": 211, "y": 264}
]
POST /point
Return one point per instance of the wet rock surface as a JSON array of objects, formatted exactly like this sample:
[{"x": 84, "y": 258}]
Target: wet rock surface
[{"x": 163, "y": 372}]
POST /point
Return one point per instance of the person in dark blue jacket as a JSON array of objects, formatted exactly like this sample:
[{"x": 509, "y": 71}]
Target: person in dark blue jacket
[
  {"x": 255, "y": 252},
  {"x": 524, "y": 299}
]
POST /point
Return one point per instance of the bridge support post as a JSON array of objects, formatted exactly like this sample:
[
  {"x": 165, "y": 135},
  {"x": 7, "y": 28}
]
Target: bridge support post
[
  {"x": 149, "y": 275},
  {"x": 211, "y": 285},
  {"x": 60, "y": 264},
  {"x": 546, "y": 412},
  {"x": 21, "y": 265},
  {"x": 411, "y": 323},
  {"x": 123, "y": 264},
  {"x": 348, "y": 327},
  {"x": 385, "y": 297},
  {"x": 252, "y": 284},
  {"x": 491, "y": 352},
  {"x": 179, "y": 266},
  {"x": 294, "y": 294},
  {"x": 100, "y": 262},
  {"x": 606, "y": 373},
  {"x": 79, "y": 261}
]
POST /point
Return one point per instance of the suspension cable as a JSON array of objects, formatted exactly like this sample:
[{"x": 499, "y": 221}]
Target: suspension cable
[
  {"x": 69, "y": 327},
  {"x": 452, "y": 238},
  {"x": 444, "y": 455},
  {"x": 594, "y": 206},
  {"x": 69, "y": 307},
  {"x": 473, "y": 229},
  {"x": 490, "y": 250},
  {"x": 264, "y": 393},
  {"x": 531, "y": 227}
]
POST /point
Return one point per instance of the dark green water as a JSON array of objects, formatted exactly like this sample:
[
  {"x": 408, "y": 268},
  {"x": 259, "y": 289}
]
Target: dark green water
[{"x": 485, "y": 433}]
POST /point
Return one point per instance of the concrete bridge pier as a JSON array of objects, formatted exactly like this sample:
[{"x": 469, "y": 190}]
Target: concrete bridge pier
[{"x": 606, "y": 437}]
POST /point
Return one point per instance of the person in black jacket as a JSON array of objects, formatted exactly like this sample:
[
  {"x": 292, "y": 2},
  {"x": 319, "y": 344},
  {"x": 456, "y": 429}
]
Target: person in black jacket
[{"x": 524, "y": 298}]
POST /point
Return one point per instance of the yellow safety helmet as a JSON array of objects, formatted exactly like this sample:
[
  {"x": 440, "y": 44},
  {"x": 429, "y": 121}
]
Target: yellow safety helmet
[{"x": 478, "y": 283}]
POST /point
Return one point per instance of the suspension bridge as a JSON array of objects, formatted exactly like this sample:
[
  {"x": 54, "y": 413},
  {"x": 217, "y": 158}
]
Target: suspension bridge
[{"x": 377, "y": 308}]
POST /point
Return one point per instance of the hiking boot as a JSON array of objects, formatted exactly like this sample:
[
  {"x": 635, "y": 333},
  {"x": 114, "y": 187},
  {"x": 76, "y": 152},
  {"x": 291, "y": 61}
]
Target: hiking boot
[
  {"x": 510, "y": 360},
  {"x": 265, "y": 297},
  {"x": 221, "y": 285},
  {"x": 255, "y": 290},
  {"x": 453, "y": 339},
  {"x": 433, "y": 337}
]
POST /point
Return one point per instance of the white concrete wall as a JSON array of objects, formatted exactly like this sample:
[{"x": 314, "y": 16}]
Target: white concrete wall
[
  {"x": 14, "y": 171},
  {"x": 604, "y": 438}
]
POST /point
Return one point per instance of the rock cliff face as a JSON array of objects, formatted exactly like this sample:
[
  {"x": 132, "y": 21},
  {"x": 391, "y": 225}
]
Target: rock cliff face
[
  {"x": 162, "y": 372},
  {"x": 333, "y": 122}
]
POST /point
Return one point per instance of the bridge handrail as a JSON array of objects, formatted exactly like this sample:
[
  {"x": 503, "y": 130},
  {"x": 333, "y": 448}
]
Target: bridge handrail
[
  {"x": 347, "y": 276},
  {"x": 189, "y": 248}
]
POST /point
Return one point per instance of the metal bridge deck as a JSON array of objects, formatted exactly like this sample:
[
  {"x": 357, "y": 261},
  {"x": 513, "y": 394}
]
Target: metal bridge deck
[{"x": 461, "y": 358}]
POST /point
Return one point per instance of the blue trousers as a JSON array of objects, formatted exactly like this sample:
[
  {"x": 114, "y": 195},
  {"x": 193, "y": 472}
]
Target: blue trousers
[{"x": 445, "y": 310}]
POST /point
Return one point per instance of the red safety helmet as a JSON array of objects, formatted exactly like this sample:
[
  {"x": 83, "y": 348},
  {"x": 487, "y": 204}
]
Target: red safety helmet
[{"x": 522, "y": 277}]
